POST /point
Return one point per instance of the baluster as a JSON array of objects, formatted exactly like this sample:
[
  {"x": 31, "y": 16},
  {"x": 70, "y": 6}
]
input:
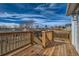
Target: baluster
[
  {"x": 9, "y": 42},
  {"x": 12, "y": 42},
  {"x": 6, "y": 43},
  {"x": 24, "y": 38},
  {"x": 11, "y": 47},
  {"x": 28, "y": 37},
  {"x": 61, "y": 35},
  {"x": 1, "y": 45},
  {"x": 15, "y": 40},
  {"x": 69, "y": 36},
  {"x": 20, "y": 41}
]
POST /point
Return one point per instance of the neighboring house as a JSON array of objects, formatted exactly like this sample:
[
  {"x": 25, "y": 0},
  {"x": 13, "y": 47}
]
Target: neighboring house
[
  {"x": 68, "y": 27},
  {"x": 9, "y": 29},
  {"x": 73, "y": 10}
]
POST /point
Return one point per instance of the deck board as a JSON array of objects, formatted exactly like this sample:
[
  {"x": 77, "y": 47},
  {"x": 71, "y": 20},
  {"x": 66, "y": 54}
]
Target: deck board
[{"x": 60, "y": 47}]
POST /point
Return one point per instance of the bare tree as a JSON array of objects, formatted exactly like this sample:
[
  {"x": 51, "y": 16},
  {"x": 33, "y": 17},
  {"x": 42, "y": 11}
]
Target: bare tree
[{"x": 27, "y": 24}]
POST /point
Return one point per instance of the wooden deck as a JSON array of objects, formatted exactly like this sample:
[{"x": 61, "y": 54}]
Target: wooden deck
[{"x": 60, "y": 47}]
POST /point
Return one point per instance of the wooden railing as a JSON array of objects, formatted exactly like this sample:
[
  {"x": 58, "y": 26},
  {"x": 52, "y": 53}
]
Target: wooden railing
[
  {"x": 43, "y": 37},
  {"x": 49, "y": 36},
  {"x": 13, "y": 40},
  {"x": 62, "y": 34}
]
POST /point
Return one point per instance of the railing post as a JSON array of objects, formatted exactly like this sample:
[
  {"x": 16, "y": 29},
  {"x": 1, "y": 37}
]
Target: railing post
[
  {"x": 32, "y": 38},
  {"x": 43, "y": 39},
  {"x": 69, "y": 37},
  {"x": 52, "y": 35}
]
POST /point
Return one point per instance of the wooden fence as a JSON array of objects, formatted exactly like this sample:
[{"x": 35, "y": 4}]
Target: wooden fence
[
  {"x": 62, "y": 34},
  {"x": 11, "y": 41},
  {"x": 43, "y": 37},
  {"x": 47, "y": 36}
]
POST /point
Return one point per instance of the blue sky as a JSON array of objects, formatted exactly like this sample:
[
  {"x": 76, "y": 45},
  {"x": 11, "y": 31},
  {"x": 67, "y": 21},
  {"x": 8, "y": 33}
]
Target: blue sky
[{"x": 41, "y": 13}]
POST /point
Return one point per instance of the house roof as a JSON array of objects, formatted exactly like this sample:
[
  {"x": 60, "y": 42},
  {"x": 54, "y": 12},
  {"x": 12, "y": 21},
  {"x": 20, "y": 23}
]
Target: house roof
[{"x": 71, "y": 7}]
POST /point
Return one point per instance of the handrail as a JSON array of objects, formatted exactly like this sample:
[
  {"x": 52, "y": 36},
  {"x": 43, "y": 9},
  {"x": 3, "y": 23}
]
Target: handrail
[{"x": 10, "y": 41}]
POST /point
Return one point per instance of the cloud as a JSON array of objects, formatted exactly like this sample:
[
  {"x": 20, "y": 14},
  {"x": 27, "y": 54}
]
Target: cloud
[
  {"x": 46, "y": 13},
  {"x": 5, "y": 14},
  {"x": 35, "y": 19},
  {"x": 12, "y": 20},
  {"x": 44, "y": 8},
  {"x": 41, "y": 7},
  {"x": 16, "y": 15},
  {"x": 22, "y": 17},
  {"x": 52, "y": 5},
  {"x": 54, "y": 11},
  {"x": 9, "y": 24},
  {"x": 55, "y": 23}
]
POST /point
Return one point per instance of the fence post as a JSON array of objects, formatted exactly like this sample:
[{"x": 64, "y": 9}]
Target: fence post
[
  {"x": 69, "y": 36},
  {"x": 43, "y": 39},
  {"x": 52, "y": 35},
  {"x": 32, "y": 38}
]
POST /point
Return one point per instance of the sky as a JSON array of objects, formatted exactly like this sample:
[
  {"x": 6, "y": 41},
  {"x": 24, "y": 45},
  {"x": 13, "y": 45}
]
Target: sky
[{"x": 42, "y": 13}]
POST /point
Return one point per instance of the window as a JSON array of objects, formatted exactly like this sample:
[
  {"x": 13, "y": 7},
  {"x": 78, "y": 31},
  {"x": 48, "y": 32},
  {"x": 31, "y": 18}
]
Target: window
[{"x": 75, "y": 17}]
